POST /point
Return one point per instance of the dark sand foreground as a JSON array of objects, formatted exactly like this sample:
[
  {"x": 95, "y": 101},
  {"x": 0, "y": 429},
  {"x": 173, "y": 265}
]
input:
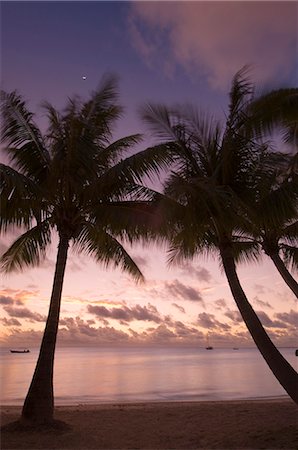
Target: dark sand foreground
[{"x": 270, "y": 424}]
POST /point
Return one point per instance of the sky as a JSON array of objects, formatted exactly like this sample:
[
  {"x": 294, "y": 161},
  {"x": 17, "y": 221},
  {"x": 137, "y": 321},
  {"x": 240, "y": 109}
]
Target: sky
[{"x": 165, "y": 52}]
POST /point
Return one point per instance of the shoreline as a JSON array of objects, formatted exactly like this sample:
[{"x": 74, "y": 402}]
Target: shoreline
[
  {"x": 234, "y": 424},
  {"x": 135, "y": 403}
]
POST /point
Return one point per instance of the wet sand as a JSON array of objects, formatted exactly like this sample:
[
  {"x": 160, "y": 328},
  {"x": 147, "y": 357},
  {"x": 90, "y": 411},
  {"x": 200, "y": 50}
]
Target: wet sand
[{"x": 258, "y": 424}]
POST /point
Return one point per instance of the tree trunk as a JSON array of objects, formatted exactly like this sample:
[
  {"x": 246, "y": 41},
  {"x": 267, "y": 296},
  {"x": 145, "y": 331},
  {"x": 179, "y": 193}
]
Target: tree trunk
[
  {"x": 279, "y": 264},
  {"x": 280, "y": 367},
  {"x": 39, "y": 403}
]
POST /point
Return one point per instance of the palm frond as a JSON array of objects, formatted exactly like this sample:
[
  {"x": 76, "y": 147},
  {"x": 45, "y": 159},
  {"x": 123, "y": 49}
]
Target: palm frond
[
  {"x": 55, "y": 128},
  {"x": 74, "y": 158},
  {"x": 276, "y": 206},
  {"x": 290, "y": 256},
  {"x": 159, "y": 119},
  {"x": 112, "y": 153},
  {"x": 186, "y": 244},
  {"x": 277, "y": 109},
  {"x": 103, "y": 97},
  {"x": 29, "y": 249},
  {"x": 132, "y": 169},
  {"x": 202, "y": 128},
  {"x": 132, "y": 221},
  {"x": 240, "y": 95},
  {"x": 19, "y": 196},
  {"x": 25, "y": 144},
  {"x": 246, "y": 251},
  {"x": 106, "y": 249},
  {"x": 100, "y": 112},
  {"x": 290, "y": 232}
]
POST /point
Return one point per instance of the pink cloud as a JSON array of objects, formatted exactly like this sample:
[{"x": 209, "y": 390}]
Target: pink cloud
[
  {"x": 235, "y": 316},
  {"x": 4, "y": 300},
  {"x": 217, "y": 38},
  {"x": 19, "y": 296},
  {"x": 269, "y": 323},
  {"x": 10, "y": 322},
  {"x": 75, "y": 331},
  {"x": 290, "y": 318},
  {"x": 24, "y": 313},
  {"x": 185, "y": 292},
  {"x": 259, "y": 302},
  {"x": 220, "y": 303},
  {"x": 179, "y": 307},
  {"x": 197, "y": 272},
  {"x": 210, "y": 322},
  {"x": 126, "y": 314}
]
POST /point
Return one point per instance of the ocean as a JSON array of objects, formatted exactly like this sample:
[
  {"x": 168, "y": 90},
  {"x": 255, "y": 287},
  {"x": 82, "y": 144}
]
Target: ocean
[{"x": 85, "y": 375}]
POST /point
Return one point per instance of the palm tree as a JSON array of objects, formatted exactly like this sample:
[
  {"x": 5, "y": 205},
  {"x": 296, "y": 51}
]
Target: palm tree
[
  {"x": 206, "y": 197},
  {"x": 71, "y": 181}
]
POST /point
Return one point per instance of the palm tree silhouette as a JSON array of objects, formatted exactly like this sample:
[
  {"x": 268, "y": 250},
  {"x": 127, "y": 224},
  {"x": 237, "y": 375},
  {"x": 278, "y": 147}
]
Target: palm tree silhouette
[
  {"x": 207, "y": 193},
  {"x": 72, "y": 181}
]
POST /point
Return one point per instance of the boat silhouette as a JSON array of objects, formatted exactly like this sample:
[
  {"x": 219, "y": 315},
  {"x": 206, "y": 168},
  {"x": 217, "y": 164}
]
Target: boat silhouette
[
  {"x": 20, "y": 351},
  {"x": 209, "y": 347}
]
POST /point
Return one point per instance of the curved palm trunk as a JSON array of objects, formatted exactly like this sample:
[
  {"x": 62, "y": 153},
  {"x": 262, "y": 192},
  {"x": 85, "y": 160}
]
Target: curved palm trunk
[
  {"x": 281, "y": 369},
  {"x": 39, "y": 403},
  {"x": 279, "y": 264}
]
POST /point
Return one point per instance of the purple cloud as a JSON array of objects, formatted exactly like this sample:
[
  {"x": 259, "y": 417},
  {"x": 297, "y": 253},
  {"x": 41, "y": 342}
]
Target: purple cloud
[
  {"x": 180, "y": 290},
  {"x": 6, "y": 300},
  {"x": 268, "y": 322},
  {"x": 202, "y": 36},
  {"x": 24, "y": 313},
  {"x": 126, "y": 314},
  {"x": 259, "y": 302},
  {"x": 208, "y": 321},
  {"x": 197, "y": 272},
  {"x": 290, "y": 318},
  {"x": 235, "y": 316},
  {"x": 179, "y": 307},
  {"x": 259, "y": 288},
  {"x": 220, "y": 303},
  {"x": 10, "y": 322}
]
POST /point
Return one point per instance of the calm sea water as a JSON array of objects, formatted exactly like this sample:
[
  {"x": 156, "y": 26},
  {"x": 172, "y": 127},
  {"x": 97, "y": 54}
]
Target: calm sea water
[{"x": 94, "y": 375}]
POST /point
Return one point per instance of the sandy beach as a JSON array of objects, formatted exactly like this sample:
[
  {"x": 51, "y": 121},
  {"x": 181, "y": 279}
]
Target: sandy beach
[{"x": 258, "y": 424}]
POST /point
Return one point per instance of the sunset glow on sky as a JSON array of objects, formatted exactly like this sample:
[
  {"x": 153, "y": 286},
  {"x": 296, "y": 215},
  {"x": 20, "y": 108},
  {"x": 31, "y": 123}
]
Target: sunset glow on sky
[{"x": 166, "y": 52}]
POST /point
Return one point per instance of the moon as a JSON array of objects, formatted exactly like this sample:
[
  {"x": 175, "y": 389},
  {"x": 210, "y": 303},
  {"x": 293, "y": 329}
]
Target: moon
[{"x": 84, "y": 77}]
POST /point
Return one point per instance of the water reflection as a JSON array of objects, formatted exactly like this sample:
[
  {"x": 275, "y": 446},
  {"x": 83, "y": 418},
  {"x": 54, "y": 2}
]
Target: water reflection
[{"x": 84, "y": 375}]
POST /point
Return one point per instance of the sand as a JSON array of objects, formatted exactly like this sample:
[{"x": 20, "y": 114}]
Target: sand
[{"x": 229, "y": 425}]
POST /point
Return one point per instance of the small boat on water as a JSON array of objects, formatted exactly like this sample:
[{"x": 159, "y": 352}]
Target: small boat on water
[
  {"x": 209, "y": 347},
  {"x": 20, "y": 351}
]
